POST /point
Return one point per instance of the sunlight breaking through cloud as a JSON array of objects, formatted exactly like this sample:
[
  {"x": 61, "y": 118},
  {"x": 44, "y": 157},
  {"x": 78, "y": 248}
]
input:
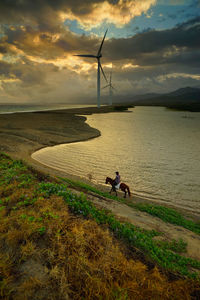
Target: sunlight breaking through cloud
[
  {"x": 38, "y": 41},
  {"x": 129, "y": 66},
  {"x": 119, "y": 14}
]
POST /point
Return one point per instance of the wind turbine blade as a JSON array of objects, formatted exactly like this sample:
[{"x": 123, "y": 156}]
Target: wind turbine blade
[
  {"x": 112, "y": 87},
  {"x": 85, "y": 55},
  {"x": 103, "y": 73},
  {"x": 99, "y": 52},
  {"x": 105, "y": 86}
]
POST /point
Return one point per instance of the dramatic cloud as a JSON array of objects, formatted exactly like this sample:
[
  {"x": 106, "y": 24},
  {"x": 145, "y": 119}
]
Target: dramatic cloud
[
  {"x": 166, "y": 45},
  {"x": 27, "y": 40},
  {"x": 27, "y": 72},
  {"x": 89, "y": 13},
  {"x": 37, "y": 49},
  {"x": 170, "y": 42},
  {"x": 116, "y": 12}
]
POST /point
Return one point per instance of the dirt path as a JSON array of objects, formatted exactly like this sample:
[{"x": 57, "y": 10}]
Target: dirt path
[{"x": 149, "y": 222}]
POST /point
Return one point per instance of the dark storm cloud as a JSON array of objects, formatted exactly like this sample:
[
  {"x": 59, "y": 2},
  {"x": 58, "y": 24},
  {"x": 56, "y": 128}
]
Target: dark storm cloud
[
  {"x": 5, "y": 69},
  {"x": 72, "y": 43},
  {"x": 147, "y": 48},
  {"x": 18, "y": 10},
  {"x": 142, "y": 80},
  {"x": 49, "y": 15},
  {"x": 45, "y": 15},
  {"x": 34, "y": 32},
  {"x": 185, "y": 36},
  {"x": 27, "y": 72},
  {"x": 152, "y": 72},
  {"x": 3, "y": 49},
  {"x": 46, "y": 45},
  {"x": 31, "y": 41},
  {"x": 186, "y": 57}
]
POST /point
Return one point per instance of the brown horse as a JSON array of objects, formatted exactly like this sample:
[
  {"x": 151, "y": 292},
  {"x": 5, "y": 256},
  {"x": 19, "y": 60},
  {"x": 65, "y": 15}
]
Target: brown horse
[{"x": 124, "y": 187}]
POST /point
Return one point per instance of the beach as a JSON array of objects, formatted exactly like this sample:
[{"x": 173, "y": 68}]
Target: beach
[{"x": 21, "y": 134}]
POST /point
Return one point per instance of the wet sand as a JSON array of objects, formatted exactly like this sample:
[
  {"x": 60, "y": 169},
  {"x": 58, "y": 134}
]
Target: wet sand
[{"x": 21, "y": 134}]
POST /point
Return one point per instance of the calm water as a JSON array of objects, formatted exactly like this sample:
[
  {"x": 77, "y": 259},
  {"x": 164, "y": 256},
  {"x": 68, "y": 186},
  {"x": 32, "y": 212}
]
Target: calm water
[
  {"x": 156, "y": 151},
  {"x": 12, "y": 108}
]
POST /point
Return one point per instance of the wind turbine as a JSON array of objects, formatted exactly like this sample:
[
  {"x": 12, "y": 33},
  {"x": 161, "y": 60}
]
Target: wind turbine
[
  {"x": 98, "y": 57},
  {"x": 111, "y": 88}
]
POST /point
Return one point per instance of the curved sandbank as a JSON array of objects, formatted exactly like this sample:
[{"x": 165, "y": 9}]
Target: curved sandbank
[{"x": 21, "y": 134}]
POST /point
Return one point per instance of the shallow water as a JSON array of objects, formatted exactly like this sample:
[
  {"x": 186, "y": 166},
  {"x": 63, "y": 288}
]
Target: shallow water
[
  {"x": 12, "y": 108},
  {"x": 156, "y": 151}
]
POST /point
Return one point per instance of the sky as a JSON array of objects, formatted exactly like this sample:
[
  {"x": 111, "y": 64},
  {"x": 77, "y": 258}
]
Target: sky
[{"x": 151, "y": 46}]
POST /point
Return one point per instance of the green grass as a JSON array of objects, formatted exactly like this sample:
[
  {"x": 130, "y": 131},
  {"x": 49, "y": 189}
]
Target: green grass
[
  {"x": 176, "y": 246},
  {"x": 166, "y": 214},
  {"x": 36, "y": 224},
  {"x": 14, "y": 170},
  {"x": 88, "y": 188},
  {"x": 164, "y": 254},
  {"x": 161, "y": 253},
  {"x": 169, "y": 215}
]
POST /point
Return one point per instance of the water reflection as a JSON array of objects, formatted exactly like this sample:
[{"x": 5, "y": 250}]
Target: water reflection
[{"x": 155, "y": 150}]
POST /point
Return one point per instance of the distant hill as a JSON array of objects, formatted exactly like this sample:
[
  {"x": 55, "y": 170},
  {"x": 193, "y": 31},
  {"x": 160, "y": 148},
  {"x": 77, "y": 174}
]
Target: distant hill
[
  {"x": 184, "y": 98},
  {"x": 145, "y": 96}
]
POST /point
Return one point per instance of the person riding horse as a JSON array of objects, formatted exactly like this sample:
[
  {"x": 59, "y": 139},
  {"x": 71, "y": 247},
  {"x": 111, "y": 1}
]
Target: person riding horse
[
  {"x": 116, "y": 183},
  {"x": 122, "y": 186}
]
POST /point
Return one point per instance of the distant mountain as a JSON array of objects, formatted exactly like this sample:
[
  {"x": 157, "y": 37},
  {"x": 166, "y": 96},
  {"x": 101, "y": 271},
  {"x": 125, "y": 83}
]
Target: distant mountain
[
  {"x": 145, "y": 96},
  {"x": 184, "y": 91},
  {"x": 185, "y": 99},
  {"x": 129, "y": 99}
]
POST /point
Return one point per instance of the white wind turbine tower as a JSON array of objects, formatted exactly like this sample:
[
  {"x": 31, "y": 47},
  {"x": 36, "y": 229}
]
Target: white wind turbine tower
[
  {"x": 111, "y": 88},
  {"x": 98, "y": 57}
]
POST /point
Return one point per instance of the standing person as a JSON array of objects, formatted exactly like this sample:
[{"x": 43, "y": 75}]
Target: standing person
[{"x": 116, "y": 181}]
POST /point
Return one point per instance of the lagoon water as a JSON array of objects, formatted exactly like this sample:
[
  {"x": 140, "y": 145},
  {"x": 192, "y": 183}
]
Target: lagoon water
[
  {"x": 13, "y": 108},
  {"x": 156, "y": 151}
]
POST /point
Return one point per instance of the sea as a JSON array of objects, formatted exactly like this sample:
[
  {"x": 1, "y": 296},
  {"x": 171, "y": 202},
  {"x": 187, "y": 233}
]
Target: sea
[
  {"x": 156, "y": 151},
  {"x": 13, "y": 108}
]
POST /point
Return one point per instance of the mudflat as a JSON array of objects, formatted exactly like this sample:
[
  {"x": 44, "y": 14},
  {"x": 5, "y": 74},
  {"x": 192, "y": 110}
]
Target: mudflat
[{"x": 23, "y": 133}]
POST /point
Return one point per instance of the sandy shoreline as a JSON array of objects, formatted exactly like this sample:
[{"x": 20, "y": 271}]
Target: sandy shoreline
[{"x": 21, "y": 134}]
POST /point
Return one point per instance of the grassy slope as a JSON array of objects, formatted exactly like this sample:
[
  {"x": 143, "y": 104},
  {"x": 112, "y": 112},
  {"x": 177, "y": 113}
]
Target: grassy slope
[
  {"x": 54, "y": 249},
  {"x": 166, "y": 214}
]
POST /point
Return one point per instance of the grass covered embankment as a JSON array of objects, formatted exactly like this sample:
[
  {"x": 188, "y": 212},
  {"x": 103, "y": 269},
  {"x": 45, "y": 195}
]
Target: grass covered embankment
[
  {"x": 55, "y": 244},
  {"x": 166, "y": 214}
]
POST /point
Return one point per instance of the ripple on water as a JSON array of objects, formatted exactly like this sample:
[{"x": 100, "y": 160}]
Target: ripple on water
[{"x": 154, "y": 149}]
